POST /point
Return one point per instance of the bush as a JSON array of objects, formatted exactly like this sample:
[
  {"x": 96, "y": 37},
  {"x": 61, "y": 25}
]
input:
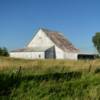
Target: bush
[
  {"x": 97, "y": 70},
  {"x": 4, "y": 52}
]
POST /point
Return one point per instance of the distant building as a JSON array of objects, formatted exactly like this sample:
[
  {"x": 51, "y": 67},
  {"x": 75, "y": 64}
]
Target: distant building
[{"x": 47, "y": 44}]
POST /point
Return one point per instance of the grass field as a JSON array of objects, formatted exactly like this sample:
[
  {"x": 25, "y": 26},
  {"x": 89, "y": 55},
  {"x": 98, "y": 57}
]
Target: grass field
[{"x": 49, "y": 79}]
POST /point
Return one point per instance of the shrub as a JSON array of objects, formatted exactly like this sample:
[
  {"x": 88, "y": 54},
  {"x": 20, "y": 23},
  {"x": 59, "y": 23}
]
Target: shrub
[
  {"x": 97, "y": 70},
  {"x": 4, "y": 52}
]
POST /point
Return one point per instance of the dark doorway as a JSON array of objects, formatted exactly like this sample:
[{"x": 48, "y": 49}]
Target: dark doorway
[
  {"x": 50, "y": 53},
  {"x": 86, "y": 56}
]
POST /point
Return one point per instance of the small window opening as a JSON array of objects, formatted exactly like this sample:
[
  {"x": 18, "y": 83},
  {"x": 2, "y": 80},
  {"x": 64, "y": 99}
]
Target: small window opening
[{"x": 39, "y": 56}]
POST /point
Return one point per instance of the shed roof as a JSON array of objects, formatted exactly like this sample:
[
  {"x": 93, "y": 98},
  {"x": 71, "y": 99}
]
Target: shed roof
[{"x": 35, "y": 49}]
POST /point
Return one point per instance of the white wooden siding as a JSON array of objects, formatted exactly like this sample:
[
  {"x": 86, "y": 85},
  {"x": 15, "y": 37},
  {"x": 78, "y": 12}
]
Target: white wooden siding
[
  {"x": 71, "y": 56},
  {"x": 59, "y": 53},
  {"x": 41, "y": 40},
  {"x": 27, "y": 55}
]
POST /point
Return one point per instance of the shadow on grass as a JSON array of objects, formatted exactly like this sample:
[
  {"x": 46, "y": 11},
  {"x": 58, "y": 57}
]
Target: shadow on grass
[
  {"x": 12, "y": 80},
  {"x": 54, "y": 76},
  {"x": 97, "y": 70}
]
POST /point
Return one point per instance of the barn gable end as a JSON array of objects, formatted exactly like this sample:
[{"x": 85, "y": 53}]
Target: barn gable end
[{"x": 40, "y": 40}]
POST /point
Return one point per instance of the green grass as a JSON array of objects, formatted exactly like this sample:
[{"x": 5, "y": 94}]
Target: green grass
[{"x": 49, "y": 79}]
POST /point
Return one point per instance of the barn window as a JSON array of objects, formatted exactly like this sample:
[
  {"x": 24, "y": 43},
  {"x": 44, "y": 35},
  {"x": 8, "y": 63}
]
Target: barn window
[
  {"x": 40, "y": 37},
  {"x": 39, "y": 56}
]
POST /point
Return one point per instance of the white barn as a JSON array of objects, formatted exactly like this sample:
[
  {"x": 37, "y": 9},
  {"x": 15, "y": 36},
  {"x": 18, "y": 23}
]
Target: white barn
[{"x": 47, "y": 44}]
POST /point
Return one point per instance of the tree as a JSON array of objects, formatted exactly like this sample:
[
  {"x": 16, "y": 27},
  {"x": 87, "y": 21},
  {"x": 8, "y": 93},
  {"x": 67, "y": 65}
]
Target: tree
[
  {"x": 4, "y": 52},
  {"x": 1, "y": 53},
  {"x": 96, "y": 41}
]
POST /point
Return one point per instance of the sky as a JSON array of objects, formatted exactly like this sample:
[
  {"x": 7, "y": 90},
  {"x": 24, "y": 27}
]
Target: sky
[{"x": 78, "y": 20}]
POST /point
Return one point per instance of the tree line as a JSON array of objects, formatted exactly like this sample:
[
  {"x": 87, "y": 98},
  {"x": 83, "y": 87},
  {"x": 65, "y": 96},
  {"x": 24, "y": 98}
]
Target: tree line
[
  {"x": 4, "y": 51},
  {"x": 96, "y": 41}
]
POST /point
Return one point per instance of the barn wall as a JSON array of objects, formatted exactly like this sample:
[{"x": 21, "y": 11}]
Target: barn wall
[
  {"x": 71, "y": 56},
  {"x": 27, "y": 55},
  {"x": 59, "y": 53},
  {"x": 40, "y": 40}
]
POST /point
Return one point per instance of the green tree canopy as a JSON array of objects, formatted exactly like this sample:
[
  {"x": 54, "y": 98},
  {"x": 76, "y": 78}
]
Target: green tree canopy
[
  {"x": 96, "y": 41},
  {"x": 4, "y": 52}
]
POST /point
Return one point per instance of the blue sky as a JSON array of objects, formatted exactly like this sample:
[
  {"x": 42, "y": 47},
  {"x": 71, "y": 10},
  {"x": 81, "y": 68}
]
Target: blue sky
[{"x": 78, "y": 20}]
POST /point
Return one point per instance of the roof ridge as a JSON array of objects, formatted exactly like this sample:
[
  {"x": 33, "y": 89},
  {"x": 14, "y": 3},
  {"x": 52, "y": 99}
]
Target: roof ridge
[{"x": 48, "y": 30}]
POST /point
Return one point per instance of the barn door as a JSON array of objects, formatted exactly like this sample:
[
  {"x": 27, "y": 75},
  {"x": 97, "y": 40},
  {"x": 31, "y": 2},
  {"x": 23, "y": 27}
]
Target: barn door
[{"x": 50, "y": 53}]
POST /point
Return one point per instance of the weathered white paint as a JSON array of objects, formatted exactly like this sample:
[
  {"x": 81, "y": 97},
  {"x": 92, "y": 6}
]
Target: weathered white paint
[
  {"x": 28, "y": 55},
  {"x": 59, "y": 53},
  {"x": 40, "y": 40},
  {"x": 71, "y": 56}
]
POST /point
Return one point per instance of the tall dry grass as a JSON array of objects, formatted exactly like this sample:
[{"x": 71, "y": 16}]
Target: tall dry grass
[
  {"x": 49, "y": 79},
  {"x": 7, "y": 63}
]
